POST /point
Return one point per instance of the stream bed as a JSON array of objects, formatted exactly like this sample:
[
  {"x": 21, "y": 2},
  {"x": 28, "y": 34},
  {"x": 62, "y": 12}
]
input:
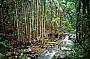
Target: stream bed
[
  {"x": 62, "y": 49},
  {"x": 49, "y": 53}
]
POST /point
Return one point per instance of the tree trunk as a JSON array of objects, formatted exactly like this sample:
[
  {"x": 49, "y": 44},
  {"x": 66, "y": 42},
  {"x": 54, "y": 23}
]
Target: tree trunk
[
  {"x": 60, "y": 20},
  {"x": 51, "y": 17}
]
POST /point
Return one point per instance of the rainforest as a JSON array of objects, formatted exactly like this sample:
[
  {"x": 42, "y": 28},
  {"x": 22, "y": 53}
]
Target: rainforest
[{"x": 44, "y": 29}]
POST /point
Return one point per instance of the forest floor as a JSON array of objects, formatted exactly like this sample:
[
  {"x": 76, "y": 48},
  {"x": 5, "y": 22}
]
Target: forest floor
[{"x": 30, "y": 51}]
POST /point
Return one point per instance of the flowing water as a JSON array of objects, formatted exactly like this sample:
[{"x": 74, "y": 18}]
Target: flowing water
[{"x": 49, "y": 53}]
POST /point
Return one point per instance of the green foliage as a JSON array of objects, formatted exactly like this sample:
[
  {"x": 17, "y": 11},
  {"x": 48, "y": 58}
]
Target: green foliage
[
  {"x": 67, "y": 26},
  {"x": 2, "y": 34},
  {"x": 4, "y": 46},
  {"x": 78, "y": 53},
  {"x": 33, "y": 29},
  {"x": 55, "y": 23},
  {"x": 69, "y": 16},
  {"x": 56, "y": 56}
]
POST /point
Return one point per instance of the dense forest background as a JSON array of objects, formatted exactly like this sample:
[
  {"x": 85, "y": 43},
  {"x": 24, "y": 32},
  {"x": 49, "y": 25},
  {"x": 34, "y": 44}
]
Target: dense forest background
[{"x": 24, "y": 21}]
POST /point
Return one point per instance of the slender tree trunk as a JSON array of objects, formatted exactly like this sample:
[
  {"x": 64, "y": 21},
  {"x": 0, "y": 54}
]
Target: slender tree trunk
[
  {"x": 37, "y": 18},
  {"x": 51, "y": 18},
  {"x": 25, "y": 20},
  {"x": 32, "y": 21},
  {"x": 44, "y": 19},
  {"x": 17, "y": 19},
  {"x": 30, "y": 8},
  {"x": 23, "y": 24},
  {"x": 60, "y": 20},
  {"x": 40, "y": 19},
  {"x": 42, "y": 24}
]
